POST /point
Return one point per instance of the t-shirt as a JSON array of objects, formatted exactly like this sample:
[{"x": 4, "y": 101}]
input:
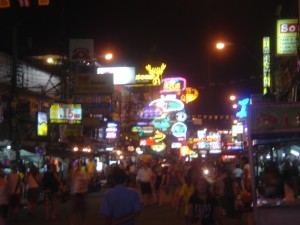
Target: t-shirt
[
  {"x": 119, "y": 202},
  {"x": 203, "y": 209}
]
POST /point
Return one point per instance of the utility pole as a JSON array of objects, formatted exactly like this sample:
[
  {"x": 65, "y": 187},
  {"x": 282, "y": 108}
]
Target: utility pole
[{"x": 14, "y": 95}]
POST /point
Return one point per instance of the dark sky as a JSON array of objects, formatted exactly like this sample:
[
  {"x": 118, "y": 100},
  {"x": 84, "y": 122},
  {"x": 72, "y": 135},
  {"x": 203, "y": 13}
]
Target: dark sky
[{"x": 179, "y": 33}]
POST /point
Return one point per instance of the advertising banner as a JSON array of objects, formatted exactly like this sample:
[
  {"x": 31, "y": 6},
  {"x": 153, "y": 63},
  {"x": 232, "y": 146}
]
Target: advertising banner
[
  {"x": 93, "y": 84},
  {"x": 287, "y": 34},
  {"x": 274, "y": 118}
]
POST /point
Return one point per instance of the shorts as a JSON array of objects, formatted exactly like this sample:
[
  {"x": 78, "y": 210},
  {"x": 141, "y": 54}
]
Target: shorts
[{"x": 146, "y": 188}]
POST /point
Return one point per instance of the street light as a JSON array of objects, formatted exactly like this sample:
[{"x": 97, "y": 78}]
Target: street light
[{"x": 222, "y": 45}]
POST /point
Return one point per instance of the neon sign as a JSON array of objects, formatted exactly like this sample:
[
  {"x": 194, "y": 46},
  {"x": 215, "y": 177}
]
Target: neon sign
[
  {"x": 155, "y": 74},
  {"x": 174, "y": 84},
  {"x": 149, "y": 113},
  {"x": 190, "y": 95},
  {"x": 168, "y": 105},
  {"x": 158, "y": 147},
  {"x": 179, "y": 129},
  {"x": 159, "y": 136},
  {"x": 243, "y": 112},
  {"x": 161, "y": 123}
]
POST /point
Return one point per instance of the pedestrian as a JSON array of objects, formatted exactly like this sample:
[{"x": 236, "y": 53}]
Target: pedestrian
[
  {"x": 50, "y": 185},
  {"x": 186, "y": 191},
  {"x": 79, "y": 189},
  {"x": 145, "y": 177},
  {"x": 158, "y": 184},
  {"x": 4, "y": 198},
  {"x": 201, "y": 204},
  {"x": 15, "y": 188},
  {"x": 120, "y": 205},
  {"x": 238, "y": 173},
  {"x": 32, "y": 179}
]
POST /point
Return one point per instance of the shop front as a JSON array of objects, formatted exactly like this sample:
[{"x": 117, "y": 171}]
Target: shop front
[{"x": 274, "y": 149}]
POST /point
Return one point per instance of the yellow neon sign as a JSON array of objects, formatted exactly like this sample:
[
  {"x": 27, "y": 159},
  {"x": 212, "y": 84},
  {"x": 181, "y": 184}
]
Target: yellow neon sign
[
  {"x": 159, "y": 136},
  {"x": 266, "y": 64},
  {"x": 155, "y": 74}
]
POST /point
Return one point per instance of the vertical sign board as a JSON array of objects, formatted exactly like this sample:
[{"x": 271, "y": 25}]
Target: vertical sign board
[
  {"x": 287, "y": 32},
  {"x": 266, "y": 64}
]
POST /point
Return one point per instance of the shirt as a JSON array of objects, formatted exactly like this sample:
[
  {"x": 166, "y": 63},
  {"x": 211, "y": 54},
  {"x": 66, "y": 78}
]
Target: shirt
[
  {"x": 144, "y": 174},
  {"x": 119, "y": 202}
]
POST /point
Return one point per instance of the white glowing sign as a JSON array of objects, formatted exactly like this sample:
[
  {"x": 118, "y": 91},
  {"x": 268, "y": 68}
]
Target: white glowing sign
[
  {"x": 168, "y": 105},
  {"x": 122, "y": 75}
]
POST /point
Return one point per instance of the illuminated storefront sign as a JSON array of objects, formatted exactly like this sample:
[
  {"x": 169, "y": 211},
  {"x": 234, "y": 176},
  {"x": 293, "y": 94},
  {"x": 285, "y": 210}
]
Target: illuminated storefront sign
[
  {"x": 266, "y": 64},
  {"x": 168, "y": 105},
  {"x": 176, "y": 145},
  {"x": 161, "y": 123},
  {"x": 174, "y": 84},
  {"x": 149, "y": 113},
  {"x": 158, "y": 147},
  {"x": 184, "y": 150},
  {"x": 243, "y": 111},
  {"x": 121, "y": 75},
  {"x": 112, "y": 130},
  {"x": 147, "y": 142},
  {"x": 181, "y": 116},
  {"x": 287, "y": 35},
  {"x": 65, "y": 113},
  {"x": 42, "y": 124},
  {"x": 190, "y": 95},
  {"x": 179, "y": 129},
  {"x": 154, "y": 75},
  {"x": 159, "y": 136}
]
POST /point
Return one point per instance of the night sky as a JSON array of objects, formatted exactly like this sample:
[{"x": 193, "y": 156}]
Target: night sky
[{"x": 179, "y": 33}]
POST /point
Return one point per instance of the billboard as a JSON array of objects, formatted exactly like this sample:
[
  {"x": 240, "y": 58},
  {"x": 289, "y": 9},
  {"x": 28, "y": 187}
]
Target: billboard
[
  {"x": 42, "y": 124},
  {"x": 65, "y": 113},
  {"x": 121, "y": 75},
  {"x": 287, "y": 30},
  {"x": 88, "y": 83}
]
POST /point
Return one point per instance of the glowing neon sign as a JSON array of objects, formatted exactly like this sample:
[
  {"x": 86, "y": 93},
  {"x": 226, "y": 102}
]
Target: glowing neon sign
[
  {"x": 179, "y": 129},
  {"x": 155, "y": 74},
  {"x": 243, "y": 112},
  {"x": 168, "y": 105},
  {"x": 174, "y": 84},
  {"x": 158, "y": 147},
  {"x": 159, "y": 136},
  {"x": 190, "y": 95}
]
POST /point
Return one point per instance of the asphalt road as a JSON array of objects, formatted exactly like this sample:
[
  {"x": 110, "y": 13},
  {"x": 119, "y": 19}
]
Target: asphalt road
[{"x": 163, "y": 215}]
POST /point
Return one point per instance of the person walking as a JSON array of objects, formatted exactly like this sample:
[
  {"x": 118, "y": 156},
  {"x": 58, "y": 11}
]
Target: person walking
[
  {"x": 145, "y": 177},
  {"x": 79, "y": 188},
  {"x": 51, "y": 192},
  {"x": 120, "y": 205},
  {"x": 201, "y": 204},
  {"x": 186, "y": 191},
  {"x": 32, "y": 179},
  {"x": 15, "y": 188}
]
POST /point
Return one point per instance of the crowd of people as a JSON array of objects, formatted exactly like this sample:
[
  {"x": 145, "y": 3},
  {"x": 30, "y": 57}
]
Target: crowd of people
[
  {"x": 198, "y": 191},
  {"x": 183, "y": 185},
  {"x": 26, "y": 188}
]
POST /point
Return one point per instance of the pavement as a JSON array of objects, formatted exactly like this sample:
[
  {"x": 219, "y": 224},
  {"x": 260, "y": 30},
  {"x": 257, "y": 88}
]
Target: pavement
[{"x": 158, "y": 215}]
